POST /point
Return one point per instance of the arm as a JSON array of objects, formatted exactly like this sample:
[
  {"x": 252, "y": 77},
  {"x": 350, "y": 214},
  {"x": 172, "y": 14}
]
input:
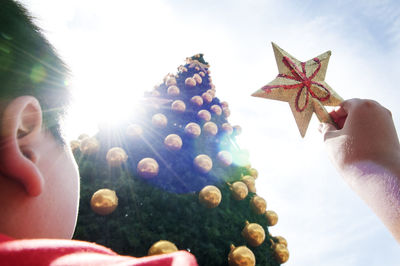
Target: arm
[{"x": 366, "y": 151}]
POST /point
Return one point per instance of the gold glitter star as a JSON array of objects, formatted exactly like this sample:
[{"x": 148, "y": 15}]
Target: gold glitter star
[{"x": 302, "y": 85}]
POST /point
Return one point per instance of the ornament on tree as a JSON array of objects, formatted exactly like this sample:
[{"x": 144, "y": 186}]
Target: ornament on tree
[
  {"x": 226, "y": 111},
  {"x": 197, "y": 100},
  {"x": 237, "y": 130},
  {"x": 83, "y": 136},
  {"x": 196, "y": 64},
  {"x": 159, "y": 120},
  {"x": 182, "y": 69},
  {"x": 134, "y": 131},
  {"x": 224, "y": 104},
  {"x": 116, "y": 157},
  {"x": 89, "y": 146},
  {"x": 241, "y": 256},
  {"x": 210, "y": 196},
  {"x": 254, "y": 234},
  {"x": 210, "y": 129},
  {"x": 207, "y": 98},
  {"x": 203, "y": 163},
  {"x": 227, "y": 128},
  {"x": 216, "y": 109},
  {"x": 250, "y": 183},
  {"x": 74, "y": 144},
  {"x": 202, "y": 74},
  {"x": 173, "y": 142},
  {"x": 302, "y": 85},
  {"x": 281, "y": 252},
  {"x": 173, "y": 90},
  {"x": 225, "y": 158},
  {"x": 104, "y": 201},
  {"x": 281, "y": 240},
  {"x": 272, "y": 217},
  {"x": 239, "y": 190},
  {"x": 190, "y": 82},
  {"x": 193, "y": 130},
  {"x": 258, "y": 204},
  {"x": 162, "y": 247},
  {"x": 204, "y": 115},
  {"x": 211, "y": 92},
  {"x": 147, "y": 168},
  {"x": 197, "y": 78},
  {"x": 178, "y": 106},
  {"x": 170, "y": 80},
  {"x": 155, "y": 93},
  {"x": 253, "y": 172}
]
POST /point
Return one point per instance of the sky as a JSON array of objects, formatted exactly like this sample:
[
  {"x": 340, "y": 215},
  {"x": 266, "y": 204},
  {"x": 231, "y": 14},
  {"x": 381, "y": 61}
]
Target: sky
[{"x": 117, "y": 49}]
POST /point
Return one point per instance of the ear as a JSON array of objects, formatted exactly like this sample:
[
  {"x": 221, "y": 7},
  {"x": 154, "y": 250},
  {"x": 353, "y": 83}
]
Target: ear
[{"x": 21, "y": 128}]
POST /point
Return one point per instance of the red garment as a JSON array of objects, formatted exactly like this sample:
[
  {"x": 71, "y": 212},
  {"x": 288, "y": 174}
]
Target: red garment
[{"x": 71, "y": 252}]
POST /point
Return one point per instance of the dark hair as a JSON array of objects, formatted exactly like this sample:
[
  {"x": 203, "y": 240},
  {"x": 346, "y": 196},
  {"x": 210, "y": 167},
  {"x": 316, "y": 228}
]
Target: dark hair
[{"x": 30, "y": 66}]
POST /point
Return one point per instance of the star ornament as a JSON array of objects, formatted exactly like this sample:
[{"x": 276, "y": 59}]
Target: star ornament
[{"x": 302, "y": 85}]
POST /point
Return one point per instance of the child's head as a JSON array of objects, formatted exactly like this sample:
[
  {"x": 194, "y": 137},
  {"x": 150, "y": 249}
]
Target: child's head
[{"x": 38, "y": 177}]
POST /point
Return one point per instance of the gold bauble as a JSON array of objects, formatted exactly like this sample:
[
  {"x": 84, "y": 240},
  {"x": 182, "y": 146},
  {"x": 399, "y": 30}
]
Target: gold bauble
[
  {"x": 193, "y": 130},
  {"x": 281, "y": 240},
  {"x": 178, "y": 106},
  {"x": 190, "y": 82},
  {"x": 224, "y": 104},
  {"x": 239, "y": 190},
  {"x": 216, "y": 109},
  {"x": 237, "y": 129},
  {"x": 281, "y": 253},
  {"x": 258, "y": 204},
  {"x": 204, "y": 115},
  {"x": 197, "y": 78},
  {"x": 203, "y": 163},
  {"x": 197, "y": 100},
  {"x": 155, "y": 93},
  {"x": 74, "y": 144},
  {"x": 173, "y": 142},
  {"x": 241, "y": 256},
  {"x": 104, "y": 201},
  {"x": 225, "y": 158},
  {"x": 202, "y": 73},
  {"x": 147, "y": 168},
  {"x": 272, "y": 218},
  {"x": 226, "y": 111},
  {"x": 250, "y": 183},
  {"x": 210, "y": 79},
  {"x": 162, "y": 247},
  {"x": 208, "y": 72},
  {"x": 207, "y": 98},
  {"x": 116, "y": 157},
  {"x": 211, "y": 92},
  {"x": 89, "y": 146},
  {"x": 253, "y": 172},
  {"x": 197, "y": 68},
  {"x": 210, "y": 128},
  {"x": 254, "y": 234},
  {"x": 83, "y": 136},
  {"x": 227, "y": 128},
  {"x": 170, "y": 80},
  {"x": 173, "y": 90},
  {"x": 182, "y": 69},
  {"x": 210, "y": 196},
  {"x": 159, "y": 120},
  {"x": 134, "y": 131}
]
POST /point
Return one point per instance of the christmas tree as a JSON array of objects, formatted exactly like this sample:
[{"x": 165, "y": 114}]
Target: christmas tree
[{"x": 173, "y": 177}]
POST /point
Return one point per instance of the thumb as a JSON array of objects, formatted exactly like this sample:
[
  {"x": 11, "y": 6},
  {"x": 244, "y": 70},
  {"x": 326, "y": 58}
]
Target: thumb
[{"x": 327, "y": 130}]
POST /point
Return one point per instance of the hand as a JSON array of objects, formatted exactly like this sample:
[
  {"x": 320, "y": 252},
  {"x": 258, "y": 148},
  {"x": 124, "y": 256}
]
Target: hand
[{"x": 366, "y": 133}]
